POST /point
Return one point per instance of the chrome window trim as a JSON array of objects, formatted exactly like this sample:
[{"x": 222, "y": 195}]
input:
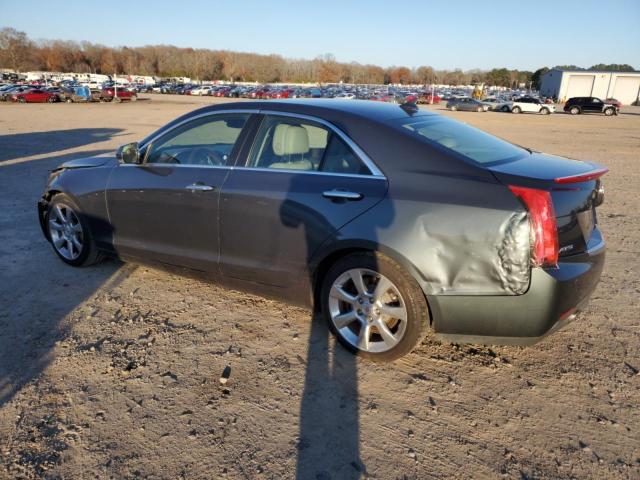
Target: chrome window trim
[
  {"x": 309, "y": 172},
  {"x": 254, "y": 169}
]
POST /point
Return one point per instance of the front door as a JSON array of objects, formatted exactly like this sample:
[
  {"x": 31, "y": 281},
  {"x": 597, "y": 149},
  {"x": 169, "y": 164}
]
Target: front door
[
  {"x": 166, "y": 208},
  {"x": 299, "y": 185}
]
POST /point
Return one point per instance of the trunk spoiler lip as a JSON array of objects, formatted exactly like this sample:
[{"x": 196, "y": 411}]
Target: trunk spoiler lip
[{"x": 594, "y": 174}]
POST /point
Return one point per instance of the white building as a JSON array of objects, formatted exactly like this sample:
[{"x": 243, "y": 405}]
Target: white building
[{"x": 565, "y": 84}]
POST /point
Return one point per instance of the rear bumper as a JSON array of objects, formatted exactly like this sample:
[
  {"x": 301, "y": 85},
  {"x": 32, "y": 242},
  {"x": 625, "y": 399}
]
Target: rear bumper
[{"x": 553, "y": 299}]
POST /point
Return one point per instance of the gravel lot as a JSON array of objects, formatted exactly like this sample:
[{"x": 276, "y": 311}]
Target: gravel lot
[{"x": 113, "y": 371}]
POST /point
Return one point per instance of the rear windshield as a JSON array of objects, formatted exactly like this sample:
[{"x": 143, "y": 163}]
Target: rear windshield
[{"x": 470, "y": 142}]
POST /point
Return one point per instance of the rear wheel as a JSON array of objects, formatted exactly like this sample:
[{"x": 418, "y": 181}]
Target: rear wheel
[
  {"x": 69, "y": 233},
  {"x": 574, "y": 110},
  {"x": 52, "y": 100},
  {"x": 374, "y": 307},
  {"x": 516, "y": 110},
  {"x": 479, "y": 109},
  {"x": 608, "y": 111},
  {"x": 454, "y": 108},
  {"x": 504, "y": 109},
  {"x": 22, "y": 100}
]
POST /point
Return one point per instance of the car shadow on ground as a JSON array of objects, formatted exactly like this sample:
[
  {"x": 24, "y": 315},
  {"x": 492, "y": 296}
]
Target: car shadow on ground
[
  {"x": 17, "y": 145},
  {"x": 32, "y": 313}
]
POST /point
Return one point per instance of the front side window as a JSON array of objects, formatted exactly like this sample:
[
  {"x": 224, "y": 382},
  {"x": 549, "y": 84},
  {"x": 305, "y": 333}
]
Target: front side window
[
  {"x": 206, "y": 141},
  {"x": 470, "y": 142},
  {"x": 288, "y": 143}
]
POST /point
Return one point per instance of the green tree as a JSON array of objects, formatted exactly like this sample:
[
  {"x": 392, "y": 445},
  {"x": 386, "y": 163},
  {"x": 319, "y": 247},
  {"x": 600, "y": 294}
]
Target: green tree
[{"x": 536, "y": 77}]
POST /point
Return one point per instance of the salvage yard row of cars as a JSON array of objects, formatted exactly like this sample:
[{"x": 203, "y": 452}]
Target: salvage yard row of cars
[
  {"x": 529, "y": 104},
  {"x": 65, "y": 93},
  {"x": 508, "y": 101}
]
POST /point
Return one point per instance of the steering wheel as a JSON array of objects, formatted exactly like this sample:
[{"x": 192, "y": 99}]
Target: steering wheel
[{"x": 206, "y": 156}]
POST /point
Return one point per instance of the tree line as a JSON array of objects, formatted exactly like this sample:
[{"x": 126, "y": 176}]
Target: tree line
[{"x": 19, "y": 53}]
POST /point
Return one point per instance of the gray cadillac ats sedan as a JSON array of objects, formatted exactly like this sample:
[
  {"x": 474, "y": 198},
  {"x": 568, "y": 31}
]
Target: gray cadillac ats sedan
[{"x": 389, "y": 220}]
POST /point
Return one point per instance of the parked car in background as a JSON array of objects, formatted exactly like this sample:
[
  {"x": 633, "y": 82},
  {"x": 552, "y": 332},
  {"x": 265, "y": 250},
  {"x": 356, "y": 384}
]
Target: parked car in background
[
  {"x": 467, "y": 104},
  {"x": 531, "y": 105},
  {"x": 80, "y": 95},
  {"x": 112, "y": 94},
  {"x": 577, "y": 105},
  {"x": 6, "y": 93},
  {"x": 428, "y": 98},
  {"x": 34, "y": 95},
  {"x": 613, "y": 101},
  {"x": 497, "y": 104}
]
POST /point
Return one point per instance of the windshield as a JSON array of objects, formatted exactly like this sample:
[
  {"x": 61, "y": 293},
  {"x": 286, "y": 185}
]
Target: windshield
[{"x": 470, "y": 142}]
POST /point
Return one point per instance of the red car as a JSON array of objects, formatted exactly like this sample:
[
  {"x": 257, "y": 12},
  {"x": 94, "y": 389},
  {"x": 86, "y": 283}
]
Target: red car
[
  {"x": 222, "y": 92},
  {"x": 284, "y": 93},
  {"x": 34, "y": 96},
  {"x": 109, "y": 94},
  {"x": 613, "y": 101}
]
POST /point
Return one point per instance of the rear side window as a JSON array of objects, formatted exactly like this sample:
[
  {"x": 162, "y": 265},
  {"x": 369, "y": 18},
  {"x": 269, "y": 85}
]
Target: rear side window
[
  {"x": 288, "y": 143},
  {"x": 470, "y": 142}
]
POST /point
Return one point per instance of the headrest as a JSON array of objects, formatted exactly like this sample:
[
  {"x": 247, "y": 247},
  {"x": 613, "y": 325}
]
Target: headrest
[{"x": 290, "y": 140}]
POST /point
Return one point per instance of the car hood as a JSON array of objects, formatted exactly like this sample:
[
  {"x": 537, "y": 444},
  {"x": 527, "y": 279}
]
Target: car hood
[{"x": 89, "y": 162}]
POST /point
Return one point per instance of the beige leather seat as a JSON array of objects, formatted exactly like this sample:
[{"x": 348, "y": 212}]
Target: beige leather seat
[{"x": 291, "y": 143}]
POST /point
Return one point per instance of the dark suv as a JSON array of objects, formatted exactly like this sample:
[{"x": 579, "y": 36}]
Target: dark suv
[{"x": 577, "y": 105}]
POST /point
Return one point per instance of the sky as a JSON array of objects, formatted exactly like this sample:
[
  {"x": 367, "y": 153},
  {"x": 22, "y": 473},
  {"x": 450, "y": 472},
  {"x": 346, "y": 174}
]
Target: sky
[{"x": 445, "y": 35}]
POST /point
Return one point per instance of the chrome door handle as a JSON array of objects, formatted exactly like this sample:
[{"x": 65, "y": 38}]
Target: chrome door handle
[
  {"x": 198, "y": 187},
  {"x": 342, "y": 195}
]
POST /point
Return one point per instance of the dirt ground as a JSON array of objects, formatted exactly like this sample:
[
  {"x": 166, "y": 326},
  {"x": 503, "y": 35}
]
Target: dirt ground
[{"x": 113, "y": 371}]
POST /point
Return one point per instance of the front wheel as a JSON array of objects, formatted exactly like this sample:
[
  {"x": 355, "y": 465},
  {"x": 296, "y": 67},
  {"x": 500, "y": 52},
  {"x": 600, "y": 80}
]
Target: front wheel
[
  {"x": 545, "y": 111},
  {"x": 454, "y": 108},
  {"x": 374, "y": 307},
  {"x": 516, "y": 110},
  {"x": 69, "y": 233},
  {"x": 574, "y": 110},
  {"x": 608, "y": 112}
]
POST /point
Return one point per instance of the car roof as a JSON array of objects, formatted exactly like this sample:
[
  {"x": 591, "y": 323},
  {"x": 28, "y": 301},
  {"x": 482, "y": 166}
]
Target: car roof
[{"x": 324, "y": 108}]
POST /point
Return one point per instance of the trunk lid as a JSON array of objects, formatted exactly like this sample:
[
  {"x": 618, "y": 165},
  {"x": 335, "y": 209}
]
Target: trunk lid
[{"x": 575, "y": 187}]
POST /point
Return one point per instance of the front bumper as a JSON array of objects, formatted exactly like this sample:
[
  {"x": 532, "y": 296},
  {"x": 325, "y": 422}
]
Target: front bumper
[{"x": 553, "y": 299}]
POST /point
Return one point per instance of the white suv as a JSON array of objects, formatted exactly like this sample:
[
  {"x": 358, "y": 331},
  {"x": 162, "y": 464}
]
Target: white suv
[{"x": 531, "y": 105}]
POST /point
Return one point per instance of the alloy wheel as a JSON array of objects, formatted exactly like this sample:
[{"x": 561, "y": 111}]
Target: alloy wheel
[
  {"x": 66, "y": 231},
  {"x": 367, "y": 310}
]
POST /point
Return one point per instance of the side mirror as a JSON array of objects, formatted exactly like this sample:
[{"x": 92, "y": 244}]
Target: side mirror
[{"x": 128, "y": 153}]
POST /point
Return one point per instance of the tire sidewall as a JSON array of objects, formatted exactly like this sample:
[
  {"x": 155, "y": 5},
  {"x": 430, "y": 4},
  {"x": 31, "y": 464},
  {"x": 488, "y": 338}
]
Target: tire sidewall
[
  {"x": 89, "y": 252},
  {"x": 418, "y": 320}
]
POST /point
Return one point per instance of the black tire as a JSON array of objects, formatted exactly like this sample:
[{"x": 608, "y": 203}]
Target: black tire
[
  {"x": 574, "y": 110},
  {"x": 52, "y": 100},
  {"x": 516, "y": 110},
  {"x": 89, "y": 255},
  {"x": 22, "y": 100},
  {"x": 418, "y": 318},
  {"x": 479, "y": 109},
  {"x": 609, "y": 111},
  {"x": 544, "y": 111}
]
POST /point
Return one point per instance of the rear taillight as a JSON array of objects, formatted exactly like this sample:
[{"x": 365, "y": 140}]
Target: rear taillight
[{"x": 543, "y": 224}]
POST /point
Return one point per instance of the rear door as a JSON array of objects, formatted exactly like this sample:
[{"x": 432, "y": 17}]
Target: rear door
[
  {"x": 166, "y": 209},
  {"x": 299, "y": 183}
]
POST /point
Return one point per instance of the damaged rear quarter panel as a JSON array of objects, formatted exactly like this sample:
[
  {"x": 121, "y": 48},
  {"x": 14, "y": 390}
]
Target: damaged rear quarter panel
[{"x": 460, "y": 236}]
